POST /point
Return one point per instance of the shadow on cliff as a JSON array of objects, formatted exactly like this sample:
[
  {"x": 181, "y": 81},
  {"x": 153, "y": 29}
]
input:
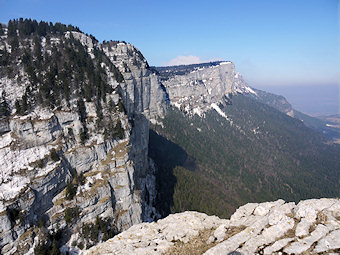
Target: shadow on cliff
[{"x": 167, "y": 155}]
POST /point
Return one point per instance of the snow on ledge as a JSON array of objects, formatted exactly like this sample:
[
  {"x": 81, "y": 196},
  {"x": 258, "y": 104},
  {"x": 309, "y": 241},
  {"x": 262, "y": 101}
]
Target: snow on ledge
[
  {"x": 225, "y": 63},
  {"x": 219, "y": 111}
]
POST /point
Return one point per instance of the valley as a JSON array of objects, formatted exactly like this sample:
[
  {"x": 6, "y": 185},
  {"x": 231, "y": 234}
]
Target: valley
[
  {"x": 247, "y": 158},
  {"x": 94, "y": 141}
]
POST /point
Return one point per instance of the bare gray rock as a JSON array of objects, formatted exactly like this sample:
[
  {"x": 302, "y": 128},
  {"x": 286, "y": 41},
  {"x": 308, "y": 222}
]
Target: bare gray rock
[
  {"x": 264, "y": 228},
  {"x": 119, "y": 181}
]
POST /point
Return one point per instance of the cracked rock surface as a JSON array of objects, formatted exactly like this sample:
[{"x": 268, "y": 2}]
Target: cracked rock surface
[{"x": 310, "y": 227}]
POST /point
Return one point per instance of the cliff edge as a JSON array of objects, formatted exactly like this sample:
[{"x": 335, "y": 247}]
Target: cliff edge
[{"x": 310, "y": 227}]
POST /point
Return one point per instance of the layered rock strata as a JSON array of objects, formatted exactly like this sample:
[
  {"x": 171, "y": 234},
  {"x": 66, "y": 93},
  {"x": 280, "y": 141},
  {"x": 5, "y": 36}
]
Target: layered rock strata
[
  {"x": 310, "y": 227},
  {"x": 197, "y": 91},
  {"x": 52, "y": 179}
]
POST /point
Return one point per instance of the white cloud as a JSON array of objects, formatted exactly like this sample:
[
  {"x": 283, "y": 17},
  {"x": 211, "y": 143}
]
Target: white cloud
[
  {"x": 183, "y": 60},
  {"x": 187, "y": 60}
]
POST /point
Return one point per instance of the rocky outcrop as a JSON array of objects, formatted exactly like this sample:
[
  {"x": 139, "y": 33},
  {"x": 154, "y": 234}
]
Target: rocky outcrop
[
  {"x": 201, "y": 89},
  {"x": 142, "y": 90},
  {"x": 198, "y": 88},
  {"x": 278, "y": 102},
  {"x": 194, "y": 92},
  {"x": 310, "y": 227},
  {"x": 40, "y": 157},
  {"x": 145, "y": 100},
  {"x": 64, "y": 169}
]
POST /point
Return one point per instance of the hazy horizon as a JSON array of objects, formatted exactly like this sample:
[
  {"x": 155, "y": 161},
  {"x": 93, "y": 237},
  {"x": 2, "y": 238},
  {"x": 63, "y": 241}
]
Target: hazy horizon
[{"x": 314, "y": 100}]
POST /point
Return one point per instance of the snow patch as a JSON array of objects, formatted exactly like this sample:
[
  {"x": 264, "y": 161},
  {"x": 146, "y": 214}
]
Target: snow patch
[
  {"x": 11, "y": 188},
  {"x": 90, "y": 180},
  {"x": 225, "y": 63},
  {"x": 177, "y": 105},
  {"x": 13, "y": 90},
  {"x": 198, "y": 111},
  {"x": 219, "y": 111},
  {"x": 5, "y": 140},
  {"x": 15, "y": 163},
  {"x": 44, "y": 114}
]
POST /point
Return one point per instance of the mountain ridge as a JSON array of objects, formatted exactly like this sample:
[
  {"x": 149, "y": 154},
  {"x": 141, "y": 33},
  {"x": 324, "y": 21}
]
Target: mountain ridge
[
  {"x": 77, "y": 164},
  {"x": 74, "y": 138}
]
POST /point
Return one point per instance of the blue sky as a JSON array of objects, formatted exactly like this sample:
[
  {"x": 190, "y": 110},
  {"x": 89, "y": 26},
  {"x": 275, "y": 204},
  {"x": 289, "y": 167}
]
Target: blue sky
[{"x": 272, "y": 42}]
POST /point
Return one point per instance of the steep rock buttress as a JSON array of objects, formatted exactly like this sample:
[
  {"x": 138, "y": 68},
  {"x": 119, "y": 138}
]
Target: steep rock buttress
[{"x": 74, "y": 138}]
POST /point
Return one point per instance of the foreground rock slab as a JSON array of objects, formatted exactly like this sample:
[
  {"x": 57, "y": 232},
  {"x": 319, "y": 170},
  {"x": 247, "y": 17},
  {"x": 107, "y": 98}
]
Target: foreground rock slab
[
  {"x": 158, "y": 237},
  {"x": 310, "y": 227}
]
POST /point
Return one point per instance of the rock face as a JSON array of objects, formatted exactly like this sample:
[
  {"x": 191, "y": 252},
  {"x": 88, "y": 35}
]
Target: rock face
[
  {"x": 142, "y": 90},
  {"x": 199, "y": 90},
  {"x": 311, "y": 226},
  {"x": 50, "y": 177},
  {"x": 145, "y": 100}
]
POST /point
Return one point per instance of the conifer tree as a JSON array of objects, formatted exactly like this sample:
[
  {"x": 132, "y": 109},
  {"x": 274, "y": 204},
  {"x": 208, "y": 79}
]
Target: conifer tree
[
  {"x": 11, "y": 28},
  {"x": 4, "y": 107},
  {"x": 1, "y": 31},
  {"x": 55, "y": 250}
]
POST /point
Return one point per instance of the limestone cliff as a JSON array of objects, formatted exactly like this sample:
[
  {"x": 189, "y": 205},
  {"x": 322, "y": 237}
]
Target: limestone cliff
[
  {"x": 310, "y": 227},
  {"x": 200, "y": 88},
  {"x": 142, "y": 90},
  {"x": 73, "y": 159},
  {"x": 197, "y": 88}
]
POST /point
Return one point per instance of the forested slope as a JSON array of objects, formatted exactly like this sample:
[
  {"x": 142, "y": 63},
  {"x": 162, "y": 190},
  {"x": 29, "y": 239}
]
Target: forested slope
[{"x": 214, "y": 164}]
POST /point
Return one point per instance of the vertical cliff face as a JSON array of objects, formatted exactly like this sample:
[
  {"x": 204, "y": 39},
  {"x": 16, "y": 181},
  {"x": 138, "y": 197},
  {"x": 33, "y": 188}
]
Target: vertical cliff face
[
  {"x": 145, "y": 100},
  {"x": 198, "y": 88},
  {"x": 195, "y": 89},
  {"x": 142, "y": 90},
  {"x": 73, "y": 160}
]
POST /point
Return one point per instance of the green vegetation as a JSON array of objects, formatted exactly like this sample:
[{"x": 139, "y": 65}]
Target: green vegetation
[
  {"x": 28, "y": 27},
  {"x": 113, "y": 131},
  {"x": 70, "y": 191},
  {"x": 42, "y": 249},
  {"x": 119, "y": 131},
  {"x": 41, "y": 222},
  {"x": 264, "y": 155},
  {"x": 55, "y": 249},
  {"x": 51, "y": 244},
  {"x": 320, "y": 125},
  {"x": 4, "y": 107},
  {"x": 71, "y": 214},
  {"x": 79, "y": 179},
  {"x": 82, "y": 114},
  {"x": 121, "y": 107},
  {"x": 91, "y": 232},
  {"x": 54, "y": 155},
  {"x": 61, "y": 70},
  {"x": 197, "y": 194},
  {"x": 14, "y": 214},
  {"x": 71, "y": 188}
]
